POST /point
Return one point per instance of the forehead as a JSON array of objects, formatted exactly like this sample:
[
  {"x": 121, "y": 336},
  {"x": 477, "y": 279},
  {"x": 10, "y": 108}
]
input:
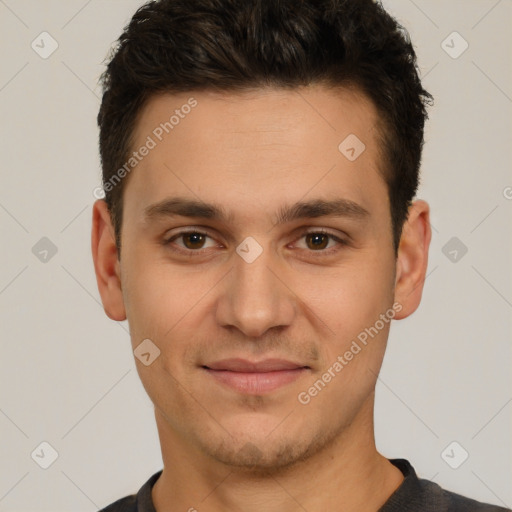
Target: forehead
[{"x": 257, "y": 148}]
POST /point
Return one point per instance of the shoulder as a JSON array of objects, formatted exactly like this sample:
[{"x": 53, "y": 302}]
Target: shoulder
[
  {"x": 444, "y": 500},
  {"x": 140, "y": 502},
  {"x": 421, "y": 495},
  {"x": 126, "y": 504}
]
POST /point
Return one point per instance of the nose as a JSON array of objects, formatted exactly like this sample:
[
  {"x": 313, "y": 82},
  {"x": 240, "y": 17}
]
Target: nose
[{"x": 255, "y": 297}]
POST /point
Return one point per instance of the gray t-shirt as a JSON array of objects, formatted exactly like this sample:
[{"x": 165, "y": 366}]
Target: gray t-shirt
[{"x": 413, "y": 495}]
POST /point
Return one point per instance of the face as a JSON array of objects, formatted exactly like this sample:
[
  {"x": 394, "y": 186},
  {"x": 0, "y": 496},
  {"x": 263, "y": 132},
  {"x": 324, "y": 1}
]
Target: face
[{"x": 257, "y": 256}]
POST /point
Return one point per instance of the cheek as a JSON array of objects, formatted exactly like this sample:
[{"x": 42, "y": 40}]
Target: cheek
[
  {"x": 351, "y": 305},
  {"x": 153, "y": 290},
  {"x": 167, "y": 304},
  {"x": 351, "y": 297}
]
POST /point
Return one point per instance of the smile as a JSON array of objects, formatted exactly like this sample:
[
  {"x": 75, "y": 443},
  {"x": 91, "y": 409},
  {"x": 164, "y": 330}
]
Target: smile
[{"x": 255, "y": 378}]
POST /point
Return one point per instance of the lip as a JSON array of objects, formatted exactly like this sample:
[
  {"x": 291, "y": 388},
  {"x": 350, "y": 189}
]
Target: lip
[
  {"x": 245, "y": 366},
  {"x": 255, "y": 378}
]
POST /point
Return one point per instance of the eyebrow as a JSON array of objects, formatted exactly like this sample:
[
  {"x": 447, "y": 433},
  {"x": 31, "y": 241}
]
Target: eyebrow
[{"x": 179, "y": 206}]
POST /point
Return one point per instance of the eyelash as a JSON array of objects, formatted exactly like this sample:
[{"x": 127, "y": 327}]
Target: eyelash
[{"x": 199, "y": 252}]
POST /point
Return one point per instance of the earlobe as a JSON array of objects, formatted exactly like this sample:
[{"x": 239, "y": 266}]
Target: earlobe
[
  {"x": 106, "y": 263},
  {"x": 412, "y": 260}
]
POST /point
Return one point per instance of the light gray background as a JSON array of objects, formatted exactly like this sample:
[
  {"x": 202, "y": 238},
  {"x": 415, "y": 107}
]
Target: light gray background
[{"x": 68, "y": 375}]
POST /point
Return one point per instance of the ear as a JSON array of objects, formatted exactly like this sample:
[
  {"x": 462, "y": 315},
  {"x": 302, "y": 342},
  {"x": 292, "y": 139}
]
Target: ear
[
  {"x": 412, "y": 259},
  {"x": 106, "y": 262}
]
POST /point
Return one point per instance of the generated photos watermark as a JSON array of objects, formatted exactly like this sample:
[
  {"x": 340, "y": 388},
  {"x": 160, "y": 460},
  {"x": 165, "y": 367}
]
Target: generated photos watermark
[
  {"x": 304, "y": 397},
  {"x": 157, "y": 135}
]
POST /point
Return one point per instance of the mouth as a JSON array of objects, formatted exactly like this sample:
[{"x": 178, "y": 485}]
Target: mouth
[{"x": 255, "y": 378}]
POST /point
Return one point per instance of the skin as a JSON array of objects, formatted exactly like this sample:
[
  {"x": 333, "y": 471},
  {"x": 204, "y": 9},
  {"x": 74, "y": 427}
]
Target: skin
[{"x": 253, "y": 153}]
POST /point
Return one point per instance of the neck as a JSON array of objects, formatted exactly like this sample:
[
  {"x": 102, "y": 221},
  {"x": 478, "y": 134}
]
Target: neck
[{"x": 347, "y": 475}]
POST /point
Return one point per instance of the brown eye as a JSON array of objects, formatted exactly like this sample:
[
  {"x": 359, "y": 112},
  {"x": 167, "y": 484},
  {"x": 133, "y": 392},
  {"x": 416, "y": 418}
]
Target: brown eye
[
  {"x": 190, "y": 242},
  {"x": 317, "y": 240},
  {"x": 193, "y": 240},
  {"x": 320, "y": 243}
]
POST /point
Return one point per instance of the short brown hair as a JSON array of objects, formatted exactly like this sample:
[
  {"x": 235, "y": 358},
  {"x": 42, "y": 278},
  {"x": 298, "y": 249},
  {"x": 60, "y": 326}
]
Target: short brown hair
[{"x": 236, "y": 45}]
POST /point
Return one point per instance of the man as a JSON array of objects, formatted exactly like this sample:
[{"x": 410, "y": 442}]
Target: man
[{"x": 260, "y": 159}]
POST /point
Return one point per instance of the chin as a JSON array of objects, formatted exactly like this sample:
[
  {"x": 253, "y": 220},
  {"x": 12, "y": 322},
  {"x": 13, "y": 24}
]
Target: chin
[{"x": 262, "y": 456}]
